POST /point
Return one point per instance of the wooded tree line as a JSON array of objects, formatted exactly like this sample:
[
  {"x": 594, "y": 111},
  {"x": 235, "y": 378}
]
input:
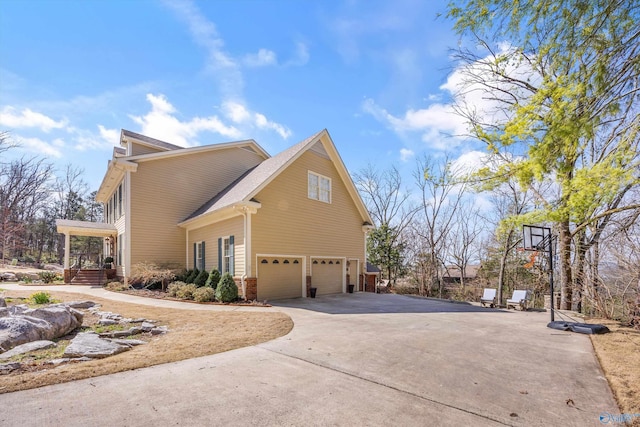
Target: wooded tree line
[
  {"x": 32, "y": 196},
  {"x": 551, "y": 87}
]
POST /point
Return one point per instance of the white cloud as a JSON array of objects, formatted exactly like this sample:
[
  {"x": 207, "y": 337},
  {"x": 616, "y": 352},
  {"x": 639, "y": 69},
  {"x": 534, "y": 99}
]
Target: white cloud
[
  {"x": 240, "y": 115},
  {"x": 36, "y": 145},
  {"x": 110, "y": 136},
  {"x": 204, "y": 33},
  {"x": 435, "y": 123},
  {"x": 463, "y": 85},
  {"x": 406, "y": 154},
  {"x": 160, "y": 123},
  {"x": 301, "y": 56},
  {"x": 27, "y": 118},
  {"x": 263, "y": 58},
  {"x": 470, "y": 162},
  {"x": 227, "y": 72}
]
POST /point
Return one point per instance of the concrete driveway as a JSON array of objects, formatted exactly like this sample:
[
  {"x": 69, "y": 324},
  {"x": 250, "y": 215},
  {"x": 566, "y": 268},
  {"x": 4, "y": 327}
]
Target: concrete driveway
[{"x": 360, "y": 359}]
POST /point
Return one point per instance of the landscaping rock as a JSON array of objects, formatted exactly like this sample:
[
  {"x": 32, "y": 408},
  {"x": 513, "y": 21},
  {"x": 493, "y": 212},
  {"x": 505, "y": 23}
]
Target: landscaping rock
[
  {"x": 120, "y": 334},
  {"x": 158, "y": 330},
  {"x": 24, "y": 325},
  {"x": 56, "y": 362},
  {"x": 26, "y": 348},
  {"x": 147, "y": 326},
  {"x": 7, "y": 368},
  {"x": 129, "y": 343},
  {"x": 107, "y": 322},
  {"x": 80, "y": 304},
  {"x": 4, "y": 311},
  {"x": 89, "y": 344},
  {"x": 9, "y": 277},
  {"x": 3, "y": 303}
]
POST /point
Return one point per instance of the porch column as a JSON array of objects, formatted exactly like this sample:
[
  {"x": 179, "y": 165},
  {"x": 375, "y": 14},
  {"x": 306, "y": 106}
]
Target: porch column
[{"x": 67, "y": 248}]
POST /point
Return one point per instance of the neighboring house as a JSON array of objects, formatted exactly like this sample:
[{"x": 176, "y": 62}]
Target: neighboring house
[
  {"x": 451, "y": 274},
  {"x": 278, "y": 224}
]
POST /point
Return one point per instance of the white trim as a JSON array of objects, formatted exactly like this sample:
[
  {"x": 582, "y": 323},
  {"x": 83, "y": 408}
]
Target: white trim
[
  {"x": 350, "y": 261},
  {"x": 259, "y": 151},
  {"x": 127, "y": 225},
  {"x": 303, "y": 279}
]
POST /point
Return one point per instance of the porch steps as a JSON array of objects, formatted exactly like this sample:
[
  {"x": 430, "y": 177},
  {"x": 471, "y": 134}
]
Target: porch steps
[{"x": 89, "y": 278}]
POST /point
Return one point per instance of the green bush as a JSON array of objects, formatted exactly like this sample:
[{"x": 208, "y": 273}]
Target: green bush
[
  {"x": 41, "y": 298},
  {"x": 201, "y": 279},
  {"x": 191, "y": 277},
  {"x": 186, "y": 291},
  {"x": 213, "y": 279},
  {"x": 182, "y": 277},
  {"x": 48, "y": 276},
  {"x": 204, "y": 294},
  {"x": 227, "y": 290}
]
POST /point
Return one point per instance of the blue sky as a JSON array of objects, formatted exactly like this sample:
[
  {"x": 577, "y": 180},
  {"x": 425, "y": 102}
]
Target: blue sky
[{"x": 376, "y": 74}]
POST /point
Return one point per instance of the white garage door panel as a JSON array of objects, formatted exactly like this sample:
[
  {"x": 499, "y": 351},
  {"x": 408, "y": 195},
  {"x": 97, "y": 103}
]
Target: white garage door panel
[
  {"x": 327, "y": 276},
  {"x": 279, "y": 277}
]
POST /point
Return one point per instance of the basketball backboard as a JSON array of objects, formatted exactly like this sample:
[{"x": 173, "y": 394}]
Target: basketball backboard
[{"x": 535, "y": 238}]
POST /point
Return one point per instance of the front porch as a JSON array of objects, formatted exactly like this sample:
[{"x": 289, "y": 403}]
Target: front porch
[{"x": 75, "y": 274}]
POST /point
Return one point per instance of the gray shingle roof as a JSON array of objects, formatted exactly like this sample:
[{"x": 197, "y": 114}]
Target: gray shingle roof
[
  {"x": 149, "y": 140},
  {"x": 244, "y": 187}
]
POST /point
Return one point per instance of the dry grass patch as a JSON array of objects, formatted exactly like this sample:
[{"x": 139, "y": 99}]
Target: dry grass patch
[
  {"x": 192, "y": 333},
  {"x": 619, "y": 355}
]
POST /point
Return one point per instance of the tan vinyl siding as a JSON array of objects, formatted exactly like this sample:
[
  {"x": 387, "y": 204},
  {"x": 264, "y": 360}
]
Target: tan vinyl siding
[
  {"x": 210, "y": 235},
  {"x": 289, "y": 222},
  {"x": 138, "y": 149},
  {"x": 165, "y": 192}
]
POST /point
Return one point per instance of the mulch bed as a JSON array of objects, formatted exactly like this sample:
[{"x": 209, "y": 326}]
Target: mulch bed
[{"x": 158, "y": 294}]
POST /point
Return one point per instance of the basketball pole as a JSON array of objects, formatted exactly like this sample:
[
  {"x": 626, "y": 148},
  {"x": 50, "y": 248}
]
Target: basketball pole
[{"x": 550, "y": 252}]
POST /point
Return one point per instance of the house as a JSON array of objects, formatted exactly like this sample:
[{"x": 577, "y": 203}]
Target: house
[
  {"x": 451, "y": 274},
  {"x": 279, "y": 225}
]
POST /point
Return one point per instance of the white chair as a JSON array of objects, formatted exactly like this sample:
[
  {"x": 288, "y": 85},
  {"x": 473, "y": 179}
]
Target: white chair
[
  {"x": 488, "y": 297},
  {"x": 519, "y": 299}
]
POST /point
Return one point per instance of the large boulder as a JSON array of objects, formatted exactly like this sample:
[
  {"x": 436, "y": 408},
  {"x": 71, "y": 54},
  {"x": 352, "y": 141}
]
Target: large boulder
[
  {"x": 23, "y": 324},
  {"x": 89, "y": 344}
]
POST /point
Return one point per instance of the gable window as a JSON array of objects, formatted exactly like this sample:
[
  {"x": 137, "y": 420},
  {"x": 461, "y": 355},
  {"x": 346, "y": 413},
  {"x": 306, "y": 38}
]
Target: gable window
[{"x": 319, "y": 187}]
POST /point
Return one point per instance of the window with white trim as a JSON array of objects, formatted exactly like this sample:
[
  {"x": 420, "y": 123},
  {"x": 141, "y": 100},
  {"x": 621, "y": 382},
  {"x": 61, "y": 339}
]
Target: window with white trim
[
  {"x": 226, "y": 255},
  {"x": 319, "y": 187},
  {"x": 199, "y": 255}
]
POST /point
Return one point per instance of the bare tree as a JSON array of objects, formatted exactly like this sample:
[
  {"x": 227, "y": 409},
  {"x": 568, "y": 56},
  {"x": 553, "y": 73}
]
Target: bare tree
[
  {"x": 464, "y": 239},
  {"x": 23, "y": 190},
  {"x": 441, "y": 193},
  {"x": 392, "y": 211}
]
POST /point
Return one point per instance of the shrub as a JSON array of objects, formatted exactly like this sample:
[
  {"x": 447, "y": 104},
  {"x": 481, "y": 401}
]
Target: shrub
[
  {"x": 213, "y": 279},
  {"x": 204, "y": 294},
  {"x": 182, "y": 276},
  {"x": 173, "y": 288},
  {"x": 191, "y": 277},
  {"x": 186, "y": 291},
  {"x": 41, "y": 298},
  {"x": 201, "y": 278},
  {"x": 48, "y": 276},
  {"x": 227, "y": 290},
  {"x": 149, "y": 274},
  {"x": 116, "y": 286}
]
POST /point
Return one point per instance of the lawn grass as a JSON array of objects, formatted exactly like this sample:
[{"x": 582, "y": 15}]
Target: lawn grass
[
  {"x": 619, "y": 356},
  {"x": 191, "y": 334}
]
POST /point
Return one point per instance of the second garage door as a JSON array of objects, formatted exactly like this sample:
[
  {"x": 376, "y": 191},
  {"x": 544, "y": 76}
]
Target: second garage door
[
  {"x": 326, "y": 275},
  {"x": 279, "y": 278}
]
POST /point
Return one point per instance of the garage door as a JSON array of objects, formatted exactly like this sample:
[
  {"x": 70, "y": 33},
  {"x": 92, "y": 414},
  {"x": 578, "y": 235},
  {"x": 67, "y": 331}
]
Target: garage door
[
  {"x": 279, "y": 277},
  {"x": 326, "y": 275}
]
